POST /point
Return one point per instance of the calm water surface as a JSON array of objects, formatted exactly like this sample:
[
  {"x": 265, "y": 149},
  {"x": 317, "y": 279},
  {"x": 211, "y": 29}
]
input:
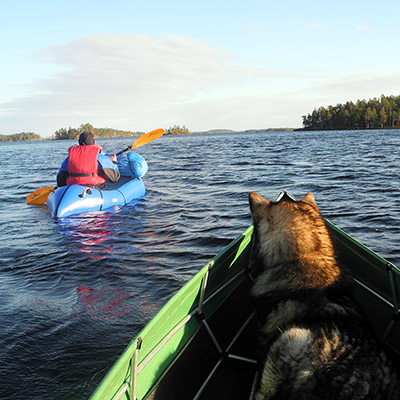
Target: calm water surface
[{"x": 74, "y": 292}]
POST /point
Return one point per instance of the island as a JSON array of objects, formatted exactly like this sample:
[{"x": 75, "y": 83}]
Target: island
[{"x": 383, "y": 113}]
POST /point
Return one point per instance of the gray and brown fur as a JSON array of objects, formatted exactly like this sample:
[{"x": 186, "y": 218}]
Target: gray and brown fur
[{"x": 313, "y": 343}]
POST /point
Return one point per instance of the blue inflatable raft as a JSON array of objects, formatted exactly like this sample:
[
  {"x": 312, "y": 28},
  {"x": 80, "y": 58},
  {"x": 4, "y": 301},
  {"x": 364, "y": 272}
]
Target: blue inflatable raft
[{"x": 75, "y": 199}]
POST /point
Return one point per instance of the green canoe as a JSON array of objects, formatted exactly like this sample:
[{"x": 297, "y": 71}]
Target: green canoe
[{"x": 200, "y": 344}]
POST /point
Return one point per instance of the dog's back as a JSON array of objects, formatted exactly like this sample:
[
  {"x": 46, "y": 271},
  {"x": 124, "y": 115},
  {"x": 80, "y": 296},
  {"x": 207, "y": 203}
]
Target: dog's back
[{"x": 313, "y": 343}]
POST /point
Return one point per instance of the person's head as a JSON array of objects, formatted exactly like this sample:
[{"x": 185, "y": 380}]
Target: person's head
[{"x": 86, "y": 138}]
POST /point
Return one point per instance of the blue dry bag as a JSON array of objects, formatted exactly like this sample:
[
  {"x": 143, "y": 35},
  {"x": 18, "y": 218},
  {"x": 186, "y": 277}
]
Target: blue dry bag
[{"x": 132, "y": 164}]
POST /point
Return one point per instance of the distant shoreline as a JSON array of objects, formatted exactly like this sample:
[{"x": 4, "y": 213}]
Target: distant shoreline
[
  {"x": 343, "y": 129},
  {"x": 246, "y": 131},
  {"x": 212, "y": 131},
  {"x": 14, "y": 137}
]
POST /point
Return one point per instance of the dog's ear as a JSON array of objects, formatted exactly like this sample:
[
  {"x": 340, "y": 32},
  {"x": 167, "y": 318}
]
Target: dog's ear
[
  {"x": 309, "y": 198},
  {"x": 258, "y": 205}
]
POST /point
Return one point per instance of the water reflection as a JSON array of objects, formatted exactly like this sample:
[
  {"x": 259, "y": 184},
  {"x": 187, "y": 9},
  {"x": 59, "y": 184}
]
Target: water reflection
[
  {"x": 91, "y": 234},
  {"x": 105, "y": 302}
]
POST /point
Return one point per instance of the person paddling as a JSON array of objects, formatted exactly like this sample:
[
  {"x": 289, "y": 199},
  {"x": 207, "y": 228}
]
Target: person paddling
[{"x": 86, "y": 165}]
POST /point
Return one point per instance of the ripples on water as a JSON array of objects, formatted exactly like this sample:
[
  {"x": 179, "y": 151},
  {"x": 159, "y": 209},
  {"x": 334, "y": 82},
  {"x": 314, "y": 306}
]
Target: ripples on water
[{"x": 75, "y": 291}]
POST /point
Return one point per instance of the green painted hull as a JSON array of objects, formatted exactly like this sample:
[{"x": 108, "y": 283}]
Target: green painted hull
[{"x": 200, "y": 344}]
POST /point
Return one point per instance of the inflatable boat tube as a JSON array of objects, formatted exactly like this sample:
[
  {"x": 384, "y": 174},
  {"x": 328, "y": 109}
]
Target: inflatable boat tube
[{"x": 75, "y": 199}]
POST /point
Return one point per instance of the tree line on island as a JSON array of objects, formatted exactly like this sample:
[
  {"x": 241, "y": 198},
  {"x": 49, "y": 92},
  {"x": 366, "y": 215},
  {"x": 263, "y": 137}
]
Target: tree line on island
[
  {"x": 73, "y": 133},
  {"x": 20, "y": 137},
  {"x": 383, "y": 113}
]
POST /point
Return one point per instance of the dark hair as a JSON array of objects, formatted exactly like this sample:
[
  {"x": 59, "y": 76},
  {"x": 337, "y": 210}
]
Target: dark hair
[{"x": 86, "y": 138}]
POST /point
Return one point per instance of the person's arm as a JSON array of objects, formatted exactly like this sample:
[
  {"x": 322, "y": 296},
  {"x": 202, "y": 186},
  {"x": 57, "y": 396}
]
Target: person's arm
[
  {"x": 110, "y": 174},
  {"x": 108, "y": 169},
  {"x": 63, "y": 174}
]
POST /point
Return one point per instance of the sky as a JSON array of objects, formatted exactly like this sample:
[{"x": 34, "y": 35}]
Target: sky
[{"x": 210, "y": 64}]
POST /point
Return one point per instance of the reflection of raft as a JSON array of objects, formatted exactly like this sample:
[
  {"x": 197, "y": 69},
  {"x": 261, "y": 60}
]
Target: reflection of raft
[
  {"x": 74, "y": 199},
  {"x": 201, "y": 343}
]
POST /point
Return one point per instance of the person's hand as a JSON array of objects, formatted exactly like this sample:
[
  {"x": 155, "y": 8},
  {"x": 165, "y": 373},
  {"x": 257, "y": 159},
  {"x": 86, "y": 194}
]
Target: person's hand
[{"x": 113, "y": 157}]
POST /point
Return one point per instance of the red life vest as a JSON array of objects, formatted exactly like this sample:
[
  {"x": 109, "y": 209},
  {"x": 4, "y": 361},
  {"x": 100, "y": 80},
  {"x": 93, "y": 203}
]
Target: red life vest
[{"x": 82, "y": 165}]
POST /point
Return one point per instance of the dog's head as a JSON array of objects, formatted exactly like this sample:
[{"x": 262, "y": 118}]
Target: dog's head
[{"x": 293, "y": 232}]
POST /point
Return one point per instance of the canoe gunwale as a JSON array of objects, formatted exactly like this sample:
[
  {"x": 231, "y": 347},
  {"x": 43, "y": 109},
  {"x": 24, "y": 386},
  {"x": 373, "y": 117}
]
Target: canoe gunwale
[
  {"x": 198, "y": 312},
  {"x": 205, "y": 296}
]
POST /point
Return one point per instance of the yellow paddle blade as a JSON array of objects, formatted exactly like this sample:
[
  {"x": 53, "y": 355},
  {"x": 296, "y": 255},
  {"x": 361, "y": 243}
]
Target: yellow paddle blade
[
  {"x": 39, "y": 197},
  {"x": 148, "y": 137}
]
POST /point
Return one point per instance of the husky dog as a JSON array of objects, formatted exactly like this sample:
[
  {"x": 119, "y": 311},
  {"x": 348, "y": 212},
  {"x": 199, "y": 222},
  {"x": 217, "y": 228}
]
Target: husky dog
[{"x": 314, "y": 344}]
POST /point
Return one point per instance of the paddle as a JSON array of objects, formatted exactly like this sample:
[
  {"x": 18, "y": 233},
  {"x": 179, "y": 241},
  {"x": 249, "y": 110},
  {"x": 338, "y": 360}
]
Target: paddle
[
  {"x": 39, "y": 197},
  {"x": 144, "y": 139}
]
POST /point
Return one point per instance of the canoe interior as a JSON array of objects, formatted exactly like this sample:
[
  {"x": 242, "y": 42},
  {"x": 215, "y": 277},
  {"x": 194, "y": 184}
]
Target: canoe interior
[
  {"x": 377, "y": 289},
  {"x": 201, "y": 345}
]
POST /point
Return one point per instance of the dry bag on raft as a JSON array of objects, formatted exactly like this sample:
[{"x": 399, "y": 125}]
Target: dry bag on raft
[{"x": 132, "y": 164}]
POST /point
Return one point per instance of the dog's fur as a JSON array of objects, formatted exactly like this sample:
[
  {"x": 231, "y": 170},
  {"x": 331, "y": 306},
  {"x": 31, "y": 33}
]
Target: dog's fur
[{"x": 314, "y": 344}]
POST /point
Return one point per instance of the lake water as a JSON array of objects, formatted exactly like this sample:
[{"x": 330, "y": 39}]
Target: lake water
[{"x": 74, "y": 292}]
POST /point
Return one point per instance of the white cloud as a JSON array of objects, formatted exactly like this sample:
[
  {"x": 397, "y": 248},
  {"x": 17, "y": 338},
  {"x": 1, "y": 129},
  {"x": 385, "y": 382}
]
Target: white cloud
[
  {"x": 126, "y": 81},
  {"x": 136, "y": 69},
  {"x": 316, "y": 26},
  {"x": 363, "y": 28}
]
